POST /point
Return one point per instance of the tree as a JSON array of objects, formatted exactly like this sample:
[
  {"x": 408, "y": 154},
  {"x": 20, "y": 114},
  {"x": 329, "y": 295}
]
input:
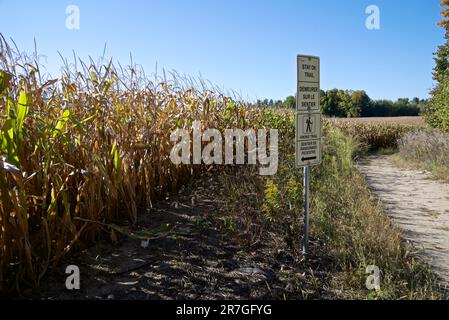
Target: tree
[
  {"x": 290, "y": 102},
  {"x": 360, "y": 101},
  {"x": 333, "y": 103},
  {"x": 350, "y": 103},
  {"x": 442, "y": 55},
  {"x": 441, "y": 58},
  {"x": 329, "y": 103},
  {"x": 403, "y": 101},
  {"x": 437, "y": 111},
  {"x": 344, "y": 103}
]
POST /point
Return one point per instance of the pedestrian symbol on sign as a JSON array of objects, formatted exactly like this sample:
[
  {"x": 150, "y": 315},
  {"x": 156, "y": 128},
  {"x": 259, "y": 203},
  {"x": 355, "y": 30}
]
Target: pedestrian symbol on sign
[{"x": 309, "y": 123}]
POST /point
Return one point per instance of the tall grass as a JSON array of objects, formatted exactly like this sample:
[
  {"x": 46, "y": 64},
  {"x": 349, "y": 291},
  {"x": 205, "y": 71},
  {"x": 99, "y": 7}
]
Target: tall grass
[
  {"x": 427, "y": 150},
  {"x": 349, "y": 231},
  {"x": 90, "y": 145}
]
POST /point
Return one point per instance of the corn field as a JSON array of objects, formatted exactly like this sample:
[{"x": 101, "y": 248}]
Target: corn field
[
  {"x": 375, "y": 135},
  {"x": 90, "y": 146}
]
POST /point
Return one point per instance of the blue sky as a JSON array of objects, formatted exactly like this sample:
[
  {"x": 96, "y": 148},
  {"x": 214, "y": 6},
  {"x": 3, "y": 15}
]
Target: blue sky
[{"x": 246, "y": 45}]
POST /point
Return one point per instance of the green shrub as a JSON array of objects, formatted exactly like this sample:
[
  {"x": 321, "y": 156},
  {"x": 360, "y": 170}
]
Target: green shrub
[{"x": 437, "y": 114}]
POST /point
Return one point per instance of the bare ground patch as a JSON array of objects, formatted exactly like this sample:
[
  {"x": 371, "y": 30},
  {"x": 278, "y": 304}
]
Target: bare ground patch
[
  {"x": 194, "y": 258},
  {"x": 417, "y": 204}
]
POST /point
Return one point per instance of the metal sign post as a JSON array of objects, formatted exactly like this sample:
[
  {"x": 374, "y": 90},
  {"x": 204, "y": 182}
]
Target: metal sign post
[
  {"x": 305, "y": 245},
  {"x": 308, "y": 127}
]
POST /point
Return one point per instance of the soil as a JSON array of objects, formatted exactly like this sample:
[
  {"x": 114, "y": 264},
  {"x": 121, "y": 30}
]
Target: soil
[
  {"x": 191, "y": 257},
  {"x": 417, "y": 204}
]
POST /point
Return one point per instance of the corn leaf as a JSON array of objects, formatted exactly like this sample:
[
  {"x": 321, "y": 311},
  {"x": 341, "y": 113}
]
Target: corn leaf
[
  {"x": 116, "y": 157},
  {"x": 8, "y": 144},
  {"x": 23, "y": 108},
  {"x": 61, "y": 123}
]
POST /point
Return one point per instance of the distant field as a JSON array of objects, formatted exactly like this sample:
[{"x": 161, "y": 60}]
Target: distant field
[{"x": 418, "y": 121}]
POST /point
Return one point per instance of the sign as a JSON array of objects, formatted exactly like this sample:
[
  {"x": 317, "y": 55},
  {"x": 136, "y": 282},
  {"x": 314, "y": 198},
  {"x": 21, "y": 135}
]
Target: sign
[
  {"x": 308, "y": 115},
  {"x": 309, "y": 151},
  {"x": 308, "y": 69},
  {"x": 308, "y": 97},
  {"x": 309, "y": 126}
]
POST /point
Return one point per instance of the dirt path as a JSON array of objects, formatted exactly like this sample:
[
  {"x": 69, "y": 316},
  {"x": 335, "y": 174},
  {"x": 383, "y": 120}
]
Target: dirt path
[{"x": 417, "y": 204}]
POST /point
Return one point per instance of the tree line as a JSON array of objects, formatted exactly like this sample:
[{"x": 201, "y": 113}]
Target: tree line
[
  {"x": 356, "y": 103},
  {"x": 437, "y": 112}
]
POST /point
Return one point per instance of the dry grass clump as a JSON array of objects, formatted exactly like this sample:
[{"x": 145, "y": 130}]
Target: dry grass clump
[
  {"x": 92, "y": 144},
  {"x": 427, "y": 150}
]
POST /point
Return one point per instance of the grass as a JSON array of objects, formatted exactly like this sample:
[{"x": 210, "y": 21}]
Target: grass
[
  {"x": 349, "y": 230},
  {"x": 425, "y": 150}
]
